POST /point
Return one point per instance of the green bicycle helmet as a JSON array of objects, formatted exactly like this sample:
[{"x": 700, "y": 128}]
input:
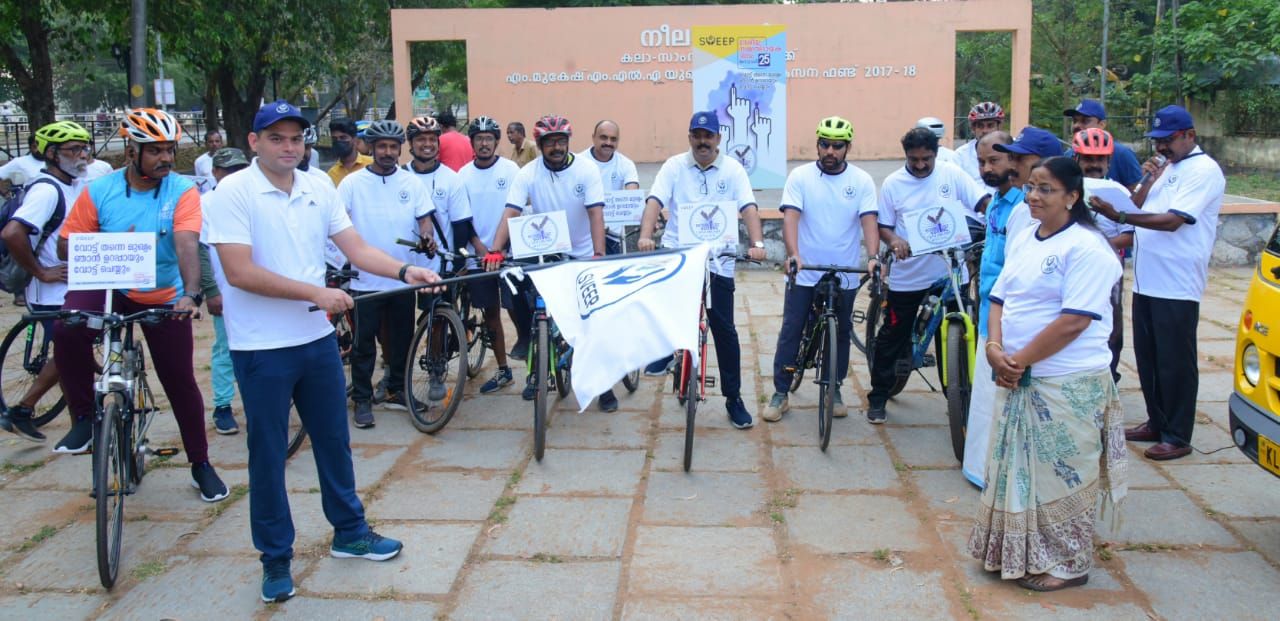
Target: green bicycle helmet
[
  {"x": 835, "y": 128},
  {"x": 60, "y": 132}
]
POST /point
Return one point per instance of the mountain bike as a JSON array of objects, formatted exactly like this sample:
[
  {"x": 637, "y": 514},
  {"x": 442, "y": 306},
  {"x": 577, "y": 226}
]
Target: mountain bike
[
  {"x": 436, "y": 367},
  {"x": 25, "y": 352}
]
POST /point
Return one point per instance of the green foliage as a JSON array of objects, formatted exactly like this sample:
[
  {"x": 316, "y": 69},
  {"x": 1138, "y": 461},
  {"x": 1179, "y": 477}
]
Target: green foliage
[
  {"x": 1250, "y": 111},
  {"x": 1222, "y": 44}
]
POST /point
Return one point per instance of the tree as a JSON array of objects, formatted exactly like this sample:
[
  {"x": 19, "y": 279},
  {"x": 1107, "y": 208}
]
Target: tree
[
  {"x": 1221, "y": 44},
  {"x": 36, "y": 33}
]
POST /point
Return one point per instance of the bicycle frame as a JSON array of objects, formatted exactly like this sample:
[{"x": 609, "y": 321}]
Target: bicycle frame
[
  {"x": 950, "y": 291},
  {"x": 686, "y": 358}
]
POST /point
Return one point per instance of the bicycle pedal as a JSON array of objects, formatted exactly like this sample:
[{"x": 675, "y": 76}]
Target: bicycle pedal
[
  {"x": 165, "y": 452},
  {"x": 711, "y": 382}
]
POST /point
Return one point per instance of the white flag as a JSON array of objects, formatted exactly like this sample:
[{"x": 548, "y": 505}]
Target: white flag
[{"x": 621, "y": 314}]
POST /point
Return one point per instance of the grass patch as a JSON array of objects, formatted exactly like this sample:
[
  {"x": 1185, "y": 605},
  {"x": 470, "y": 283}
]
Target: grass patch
[
  {"x": 149, "y": 569},
  {"x": 1104, "y": 552},
  {"x": 237, "y": 492},
  {"x": 546, "y": 558},
  {"x": 900, "y": 467},
  {"x": 514, "y": 479},
  {"x": 500, "y": 508},
  {"x": 1146, "y": 547},
  {"x": 966, "y": 598},
  {"x": 1264, "y": 186},
  {"x": 313, "y": 490},
  {"x": 12, "y": 468},
  {"x": 45, "y": 532},
  {"x": 777, "y": 517}
]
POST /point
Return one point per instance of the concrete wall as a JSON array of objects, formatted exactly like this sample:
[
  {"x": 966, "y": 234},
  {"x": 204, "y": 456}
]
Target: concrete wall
[
  {"x": 513, "y": 56},
  {"x": 1243, "y": 151}
]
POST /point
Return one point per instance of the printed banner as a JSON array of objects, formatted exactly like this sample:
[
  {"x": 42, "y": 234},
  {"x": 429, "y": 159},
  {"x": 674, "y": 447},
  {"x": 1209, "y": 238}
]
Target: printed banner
[
  {"x": 621, "y": 314},
  {"x": 539, "y": 234},
  {"x": 98, "y": 261},
  {"x": 741, "y": 73},
  {"x": 709, "y": 223},
  {"x": 935, "y": 228}
]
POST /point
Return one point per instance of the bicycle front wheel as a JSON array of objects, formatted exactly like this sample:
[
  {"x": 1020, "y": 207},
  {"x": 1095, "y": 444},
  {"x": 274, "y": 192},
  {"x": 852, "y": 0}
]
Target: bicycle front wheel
[
  {"x": 827, "y": 386},
  {"x": 692, "y": 390},
  {"x": 860, "y": 314},
  {"x": 23, "y": 355},
  {"x": 436, "y": 370},
  {"x": 473, "y": 324},
  {"x": 541, "y": 355},
  {"x": 110, "y": 485},
  {"x": 958, "y": 386}
]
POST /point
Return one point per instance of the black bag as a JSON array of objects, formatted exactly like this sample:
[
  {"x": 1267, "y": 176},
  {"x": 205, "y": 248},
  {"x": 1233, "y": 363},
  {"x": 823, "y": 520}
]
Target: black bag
[{"x": 13, "y": 278}]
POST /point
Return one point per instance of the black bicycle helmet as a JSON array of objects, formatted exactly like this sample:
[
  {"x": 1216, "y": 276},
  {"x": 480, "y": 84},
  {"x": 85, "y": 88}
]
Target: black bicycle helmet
[
  {"x": 385, "y": 129},
  {"x": 483, "y": 124}
]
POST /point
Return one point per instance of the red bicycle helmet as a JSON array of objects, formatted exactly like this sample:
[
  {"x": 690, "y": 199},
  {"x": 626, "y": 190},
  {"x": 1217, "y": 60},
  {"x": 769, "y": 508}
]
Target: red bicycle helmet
[
  {"x": 1093, "y": 141},
  {"x": 551, "y": 125},
  {"x": 987, "y": 110}
]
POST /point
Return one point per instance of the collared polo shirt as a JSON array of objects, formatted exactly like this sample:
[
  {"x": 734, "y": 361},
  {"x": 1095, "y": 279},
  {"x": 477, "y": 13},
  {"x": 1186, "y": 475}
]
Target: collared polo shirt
[
  {"x": 682, "y": 182},
  {"x": 338, "y": 172},
  {"x": 1175, "y": 264}
]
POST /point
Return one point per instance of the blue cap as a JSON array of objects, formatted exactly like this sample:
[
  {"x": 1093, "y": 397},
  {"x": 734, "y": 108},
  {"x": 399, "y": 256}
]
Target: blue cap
[
  {"x": 707, "y": 120},
  {"x": 271, "y": 113},
  {"x": 1170, "y": 120},
  {"x": 1088, "y": 107},
  {"x": 1033, "y": 141}
]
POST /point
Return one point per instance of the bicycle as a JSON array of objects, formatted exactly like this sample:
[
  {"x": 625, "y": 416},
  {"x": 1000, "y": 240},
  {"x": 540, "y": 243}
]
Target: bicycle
[
  {"x": 819, "y": 343},
  {"x": 123, "y": 415},
  {"x": 25, "y": 352},
  {"x": 437, "y": 350},
  {"x": 948, "y": 312}
]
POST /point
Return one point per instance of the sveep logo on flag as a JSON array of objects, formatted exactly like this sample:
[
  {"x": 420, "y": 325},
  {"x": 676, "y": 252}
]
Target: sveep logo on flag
[{"x": 602, "y": 286}]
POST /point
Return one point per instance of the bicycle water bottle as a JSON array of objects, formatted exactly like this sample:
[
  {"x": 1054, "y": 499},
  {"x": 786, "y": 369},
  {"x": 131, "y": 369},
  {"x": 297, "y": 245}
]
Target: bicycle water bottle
[{"x": 926, "y": 313}]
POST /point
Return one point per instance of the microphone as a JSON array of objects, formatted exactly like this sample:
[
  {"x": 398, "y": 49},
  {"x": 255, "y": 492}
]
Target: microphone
[{"x": 1160, "y": 161}]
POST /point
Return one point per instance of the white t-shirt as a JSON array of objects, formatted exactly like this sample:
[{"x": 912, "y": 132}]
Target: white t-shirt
[
  {"x": 37, "y": 207},
  {"x": 384, "y": 209},
  {"x": 97, "y": 168},
  {"x": 901, "y": 193},
  {"x": 204, "y": 165},
  {"x": 681, "y": 181},
  {"x": 966, "y": 157},
  {"x": 831, "y": 209},
  {"x": 449, "y": 197},
  {"x": 487, "y": 190},
  {"x": 946, "y": 155},
  {"x": 287, "y": 234},
  {"x": 1020, "y": 218},
  {"x": 21, "y": 170},
  {"x": 615, "y": 174},
  {"x": 1175, "y": 264},
  {"x": 1069, "y": 272},
  {"x": 574, "y": 190}
]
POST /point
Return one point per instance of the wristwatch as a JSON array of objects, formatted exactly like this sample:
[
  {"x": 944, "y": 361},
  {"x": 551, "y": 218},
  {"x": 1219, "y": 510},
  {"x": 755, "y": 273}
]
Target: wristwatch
[
  {"x": 197, "y": 298},
  {"x": 1123, "y": 216},
  {"x": 757, "y": 244}
]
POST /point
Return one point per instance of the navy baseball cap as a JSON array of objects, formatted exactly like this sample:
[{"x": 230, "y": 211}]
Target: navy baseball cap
[
  {"x": 707, "y": 120},
  {"x": 1033, "y": 141},
  {"x": 271, "y": 113},
  {"x": 1170, "y": 120},
  {"x": 1088, "y": 107}
]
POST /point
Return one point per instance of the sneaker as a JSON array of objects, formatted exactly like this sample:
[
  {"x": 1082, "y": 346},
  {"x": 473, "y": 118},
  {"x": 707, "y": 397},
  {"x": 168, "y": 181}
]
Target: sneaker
[
  {"x": 203, "y": 478},
  {"x": 435, "y": 388},
  {"x": 224, "y": 422},
  {"x": 530, "y": 391},
  {"x": 838, "y": 408},
  {"x": 380, "y": 391},
  {"x": 20, "y": 299},
  {"x": 79, "y": 440},
  {"x": 659, "y": 367},
  {"x": 519, "y": 351},
  {"x": 738, "y": 414},
  {"x": 18, "y": 420},
  {"x": 277, "y": 582},
  {"x": 778, "y": 405},
  {"x": 371, "y": 546},
  {"x": 608, "y": 401},
  {"x": 876, "y": 415},
  {"x": 398, "y": 401},
  {"x": 363, "y": 415},
  {"x": 499, "y": 380}
]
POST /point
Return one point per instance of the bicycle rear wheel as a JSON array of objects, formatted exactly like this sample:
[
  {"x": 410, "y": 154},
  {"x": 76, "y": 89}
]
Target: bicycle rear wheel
[
  {"x": 542, "y": 356},
  {"x": 804, "y": 355},
  {"x": 860, "y": 313},
  {"x": 436, "y": 358},
  {"x": 562, "y": 365},
  {"x": 691, "y": 394},
  {"x": 473, "y": 324},
  {"x": 958, "y": 386},
  {"x": 23, "y": 355},
  {"x": 827, "y": 388},
  {"x": 110, "y": 485}
]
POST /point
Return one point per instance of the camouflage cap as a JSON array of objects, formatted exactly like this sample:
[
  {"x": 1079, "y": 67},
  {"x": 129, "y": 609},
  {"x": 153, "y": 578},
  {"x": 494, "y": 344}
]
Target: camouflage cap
[{"x": 229, "y": 157}]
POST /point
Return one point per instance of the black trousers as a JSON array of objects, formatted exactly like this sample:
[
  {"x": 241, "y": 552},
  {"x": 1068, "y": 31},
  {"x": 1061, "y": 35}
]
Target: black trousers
[
  {"x": 398, "y": 312},
  {"x": 796, "y": 307},
  {"x": 893, "y": 341},
  {"x": 1164, "y": 344}
]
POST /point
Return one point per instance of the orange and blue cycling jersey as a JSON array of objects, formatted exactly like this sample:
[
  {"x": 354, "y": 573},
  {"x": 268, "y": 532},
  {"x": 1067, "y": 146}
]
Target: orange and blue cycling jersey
[{"x": 109, "y": 205}]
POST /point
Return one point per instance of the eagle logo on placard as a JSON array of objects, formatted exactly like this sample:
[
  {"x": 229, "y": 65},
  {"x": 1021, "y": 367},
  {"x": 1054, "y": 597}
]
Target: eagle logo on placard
[
  {"x": 709, "y": 222},
  {"x": 540, "y": 233},
  {"x": 602, "y": 286},
  {"x": 937, "y": 228}
]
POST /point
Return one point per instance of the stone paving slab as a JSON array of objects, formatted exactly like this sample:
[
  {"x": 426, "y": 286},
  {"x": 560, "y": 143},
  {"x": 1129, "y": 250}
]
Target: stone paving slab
[
  {"x": 50, "y": 606},
  {"x": 67, "y": 560},
  {"x": 927, "y": 447},
  {"x": 808, "y": 468},
  {"x": 311, "y": 608},
  {"x": 232, "y": 582},
  {"x": 574, "y": 527},
  {"x": 672, "y": 560},
  {"x": 949, "y": 494},
  {"x": 392, "y": 428},
  {"x": 713, "y": 450},
  {"x": 230, "y": 534},
  {"x": 503, "y": 410},
  {"x": 799, "y": 427},
  {"x": 595, "y": 429},
  {"x": 568, "y": 471},
  {"x": 916, "y": 406},
  {"x": 1243, "y": 585},
  {"x": 703, "y": 609},
  {"x": 500, "y": 590},
  {"x": 851, "y": 588},
  {"x": 27, "y": 513},
  {"x": 428, "y": 565},
  {"x": 1238, "y": 491},
  {"x": 704, "y": 498},
  {"x": 1180, "y": 521},
  {"x": 428, "y": 495},
  {"x": 847, "y": 524},
  {"x": 1263, "y": 535},
  {"x": 493, "y": 450}
]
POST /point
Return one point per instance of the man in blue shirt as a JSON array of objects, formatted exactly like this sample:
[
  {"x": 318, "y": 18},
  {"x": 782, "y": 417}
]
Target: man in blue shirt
[{"x": 1124, "y": 164}]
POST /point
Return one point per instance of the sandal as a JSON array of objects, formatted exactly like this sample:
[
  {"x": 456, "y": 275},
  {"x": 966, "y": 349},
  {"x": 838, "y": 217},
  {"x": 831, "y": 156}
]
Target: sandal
[{"x": 1037, "y": 583}]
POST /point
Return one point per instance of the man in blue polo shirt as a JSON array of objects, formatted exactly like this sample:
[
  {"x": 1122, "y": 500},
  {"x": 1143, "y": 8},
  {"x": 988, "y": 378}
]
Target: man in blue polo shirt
[{"x": 1124, "y": 164}]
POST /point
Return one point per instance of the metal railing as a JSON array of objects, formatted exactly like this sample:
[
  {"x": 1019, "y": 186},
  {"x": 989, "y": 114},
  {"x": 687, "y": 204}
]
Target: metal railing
[{"x": 104, "y": 127}]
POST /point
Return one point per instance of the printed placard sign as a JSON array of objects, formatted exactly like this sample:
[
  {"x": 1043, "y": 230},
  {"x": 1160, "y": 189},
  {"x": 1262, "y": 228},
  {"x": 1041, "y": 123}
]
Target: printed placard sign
[
  {"x": 623, "y": 208},
  {"x": 111, "y": 261},
  {"x": 709, "y": 223},
  {"x": 936, "y": 227},
  {"x": 539, "y": 234}
]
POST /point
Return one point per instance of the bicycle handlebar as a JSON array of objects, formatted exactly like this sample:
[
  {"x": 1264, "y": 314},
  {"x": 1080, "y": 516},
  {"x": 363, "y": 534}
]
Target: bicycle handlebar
[{"x": 77, "y": 317}]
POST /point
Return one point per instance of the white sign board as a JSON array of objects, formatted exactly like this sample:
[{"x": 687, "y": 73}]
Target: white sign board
[
  {"x": 623, "y": 208},
  {"x": 936, "y": 227},
  {"x": 539, "y": 234},
  {"x": 708, "y": 223},
  {"x": 203, "y": 184},
  {"x": 164, "y": 92},
  {"x": 98, "y": 261}
]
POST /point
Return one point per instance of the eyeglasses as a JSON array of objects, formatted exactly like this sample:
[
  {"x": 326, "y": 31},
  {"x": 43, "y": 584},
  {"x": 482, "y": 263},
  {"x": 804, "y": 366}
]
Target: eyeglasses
[
  {"x": 823, "y": 144},
  {"x": 1040, "y": 189},
  {"x": 74, "y": 151}
]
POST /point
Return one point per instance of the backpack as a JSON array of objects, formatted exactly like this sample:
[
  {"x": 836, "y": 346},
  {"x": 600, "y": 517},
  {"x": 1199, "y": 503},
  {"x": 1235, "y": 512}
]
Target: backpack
[{"x": 13, "y": 278}]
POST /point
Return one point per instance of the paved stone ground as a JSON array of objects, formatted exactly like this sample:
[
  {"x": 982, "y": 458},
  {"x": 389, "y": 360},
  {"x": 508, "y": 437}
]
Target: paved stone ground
[{"x": 608, "y": 526}]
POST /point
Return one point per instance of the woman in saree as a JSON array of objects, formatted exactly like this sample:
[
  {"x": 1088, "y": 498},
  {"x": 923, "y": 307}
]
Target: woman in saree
[{"x": 1058, "y": 442}]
